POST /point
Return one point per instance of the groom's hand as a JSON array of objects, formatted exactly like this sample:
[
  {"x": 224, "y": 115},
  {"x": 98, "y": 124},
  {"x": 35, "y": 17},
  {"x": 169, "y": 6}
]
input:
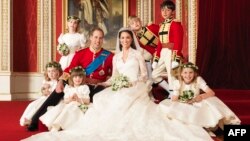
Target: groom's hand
[{"x": 59, "y": 86}]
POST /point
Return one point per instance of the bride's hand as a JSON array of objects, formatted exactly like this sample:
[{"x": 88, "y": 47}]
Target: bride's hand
[{"x": 133, "y": 83}]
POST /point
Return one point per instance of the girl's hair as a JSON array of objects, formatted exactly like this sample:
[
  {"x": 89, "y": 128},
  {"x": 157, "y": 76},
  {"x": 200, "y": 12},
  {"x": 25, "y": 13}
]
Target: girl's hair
[
  {"x": 169, "y": 4},
  {"x": 77, "y": 71},
  {"x": 131, "y": 34},
  {"x": 74, "y": 18},
  {"x": 52, "y": 64}
]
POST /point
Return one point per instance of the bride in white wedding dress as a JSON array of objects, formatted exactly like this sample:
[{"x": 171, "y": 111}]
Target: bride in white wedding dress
[{"x": 127, "y": 114}]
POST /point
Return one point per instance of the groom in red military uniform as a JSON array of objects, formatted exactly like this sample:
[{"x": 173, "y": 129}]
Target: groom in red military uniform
[{"x": 97, "y": 63}]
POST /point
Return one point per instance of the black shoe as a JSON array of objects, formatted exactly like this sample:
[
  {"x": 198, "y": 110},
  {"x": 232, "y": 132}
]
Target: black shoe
[
  {"x": 32, "y": 127},
  {"x": 154, "y": 85}
]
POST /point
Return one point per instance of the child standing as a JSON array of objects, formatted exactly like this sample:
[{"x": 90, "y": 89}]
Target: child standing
[
  {"x": 191, "y": 107},
  {"x": 168, "y": 55},
  {"x": 70, "y": 42},
  {"x": 147, "y": 37},
  {"x": 52, "y": 73},
  {"x": 76, "y": 101}
]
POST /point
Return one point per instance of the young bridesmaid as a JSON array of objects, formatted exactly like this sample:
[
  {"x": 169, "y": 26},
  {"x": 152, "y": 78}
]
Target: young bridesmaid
[
  {"x": 70, "y": 42},
  {"x": 76, "y": 102},
  {"x": 51, "y": 75},
  {"x": 190, "y": 106}
]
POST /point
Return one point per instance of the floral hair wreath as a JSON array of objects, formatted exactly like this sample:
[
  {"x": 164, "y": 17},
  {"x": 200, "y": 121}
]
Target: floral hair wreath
[
  {"x": 190, "y": 65},
  {"x": 53, "y": 64},
  {"x": 78, "y": 68},
  {"x": 74, "y": 18}
]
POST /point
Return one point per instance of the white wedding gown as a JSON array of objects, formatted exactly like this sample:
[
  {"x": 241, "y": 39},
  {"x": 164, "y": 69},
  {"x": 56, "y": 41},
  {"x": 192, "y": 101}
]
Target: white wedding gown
[{"x": 127, "y": 114}]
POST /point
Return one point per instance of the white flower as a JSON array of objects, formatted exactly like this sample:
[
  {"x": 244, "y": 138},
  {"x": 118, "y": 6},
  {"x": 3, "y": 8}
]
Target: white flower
[
  {"x": 120, "y": 81},
  {"x": 186, "y": 96},
  {"x": 63, "y": 49},
  {"x": 83, "y": 107}
]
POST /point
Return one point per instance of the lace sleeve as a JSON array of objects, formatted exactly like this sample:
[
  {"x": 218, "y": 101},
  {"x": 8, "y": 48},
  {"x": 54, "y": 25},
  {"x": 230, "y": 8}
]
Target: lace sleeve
[
  {"x": 114, "y": 70},
  {"x": 143, "y": 70}
]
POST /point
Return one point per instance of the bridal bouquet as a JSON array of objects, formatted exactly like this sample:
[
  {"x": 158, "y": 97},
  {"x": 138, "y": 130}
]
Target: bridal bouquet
[
  {"x": 120, "y": 81},
  {"x": 83, "y": 107},
  {"x": 63, "y": 49},
  {"x": 186, "y": 96}
]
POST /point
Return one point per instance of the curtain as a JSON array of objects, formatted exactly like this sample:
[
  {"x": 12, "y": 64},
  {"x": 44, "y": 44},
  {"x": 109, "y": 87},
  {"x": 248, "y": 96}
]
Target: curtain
[{"x": 223, "y": 48}]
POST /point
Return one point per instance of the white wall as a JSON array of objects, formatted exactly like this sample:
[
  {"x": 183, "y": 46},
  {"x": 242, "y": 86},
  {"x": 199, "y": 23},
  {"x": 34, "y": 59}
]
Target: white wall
[{"x": 20, "y": 86}]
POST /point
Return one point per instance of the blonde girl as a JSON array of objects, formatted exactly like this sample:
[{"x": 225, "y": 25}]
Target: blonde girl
[
  {"x": 194, "y": 102},
  {"x": 52, "y": 73},
  {"x": 70, "y": 42}
]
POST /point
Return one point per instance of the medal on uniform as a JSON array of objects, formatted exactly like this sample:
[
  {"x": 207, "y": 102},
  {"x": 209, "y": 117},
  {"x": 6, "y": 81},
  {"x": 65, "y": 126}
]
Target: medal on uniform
[{"x": 101, "y": 72}]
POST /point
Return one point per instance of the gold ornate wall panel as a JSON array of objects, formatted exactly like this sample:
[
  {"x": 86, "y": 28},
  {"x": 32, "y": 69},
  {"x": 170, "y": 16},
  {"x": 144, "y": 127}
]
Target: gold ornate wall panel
[
  {"x": 192, "y": 30},
  {"x": 144, "y": 11},
  {"x": 178, "y": 10},
  {"x": 5, "y": 35},
  {"x": 46, "y": 32},
  {"x": 125, "y": 12}
]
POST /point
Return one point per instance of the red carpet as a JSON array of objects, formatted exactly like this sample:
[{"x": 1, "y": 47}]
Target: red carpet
[
  {"x": 238, "y": 101},
  {"x": 10, "y": 112}
]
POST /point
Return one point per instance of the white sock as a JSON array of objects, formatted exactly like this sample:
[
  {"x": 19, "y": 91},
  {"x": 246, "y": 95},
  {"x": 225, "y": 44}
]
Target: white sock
[{"x": 164, "y": 85}]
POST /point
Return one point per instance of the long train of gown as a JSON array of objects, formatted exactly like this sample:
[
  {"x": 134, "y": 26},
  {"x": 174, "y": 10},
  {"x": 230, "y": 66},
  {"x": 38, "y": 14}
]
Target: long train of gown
[{"x": 125, "y": 115}]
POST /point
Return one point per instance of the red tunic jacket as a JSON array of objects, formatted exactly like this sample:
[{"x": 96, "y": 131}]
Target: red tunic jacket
[
  {"x": 176, "y": 37},
  {"x": 84, "y": 57}
]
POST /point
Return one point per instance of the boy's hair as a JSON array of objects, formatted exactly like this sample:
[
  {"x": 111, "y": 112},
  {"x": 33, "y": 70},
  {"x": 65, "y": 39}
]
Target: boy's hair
[
  {"x": 95, "y": 28},
  {"x": 169, "y": 4},
  {"x": 133, "y": 18},
  {"x": 52, "y": 64},
  {"x": 77, "y": 71}
]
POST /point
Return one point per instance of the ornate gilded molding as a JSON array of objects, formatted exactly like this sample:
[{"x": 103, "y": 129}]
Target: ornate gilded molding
[
  {"x": 5, "y": 35},
  {"x": 144, "y": 10},
  {"x": 39, "y": 35},
  {"x": 54, "y": 40},
  {"x": 125, "y": 12},
  {"x": 178, "y": 10},
  {"x": 192, "y": 30},
  {"x": 138, "y": 8},
  {"x": 46, "y": 30}
]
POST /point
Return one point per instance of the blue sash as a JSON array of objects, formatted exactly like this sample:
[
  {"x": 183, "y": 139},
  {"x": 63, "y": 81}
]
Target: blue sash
[{"x": 97, "y": 62}]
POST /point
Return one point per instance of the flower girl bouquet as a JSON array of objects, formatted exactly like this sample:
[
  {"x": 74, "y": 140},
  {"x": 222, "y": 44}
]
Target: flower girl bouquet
[
  {"x": 120, "y": 81},
  {"x": 63, "y": 49},
  {"x": 186, "y": 96},
  {"x": 83, "y": 107}
]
